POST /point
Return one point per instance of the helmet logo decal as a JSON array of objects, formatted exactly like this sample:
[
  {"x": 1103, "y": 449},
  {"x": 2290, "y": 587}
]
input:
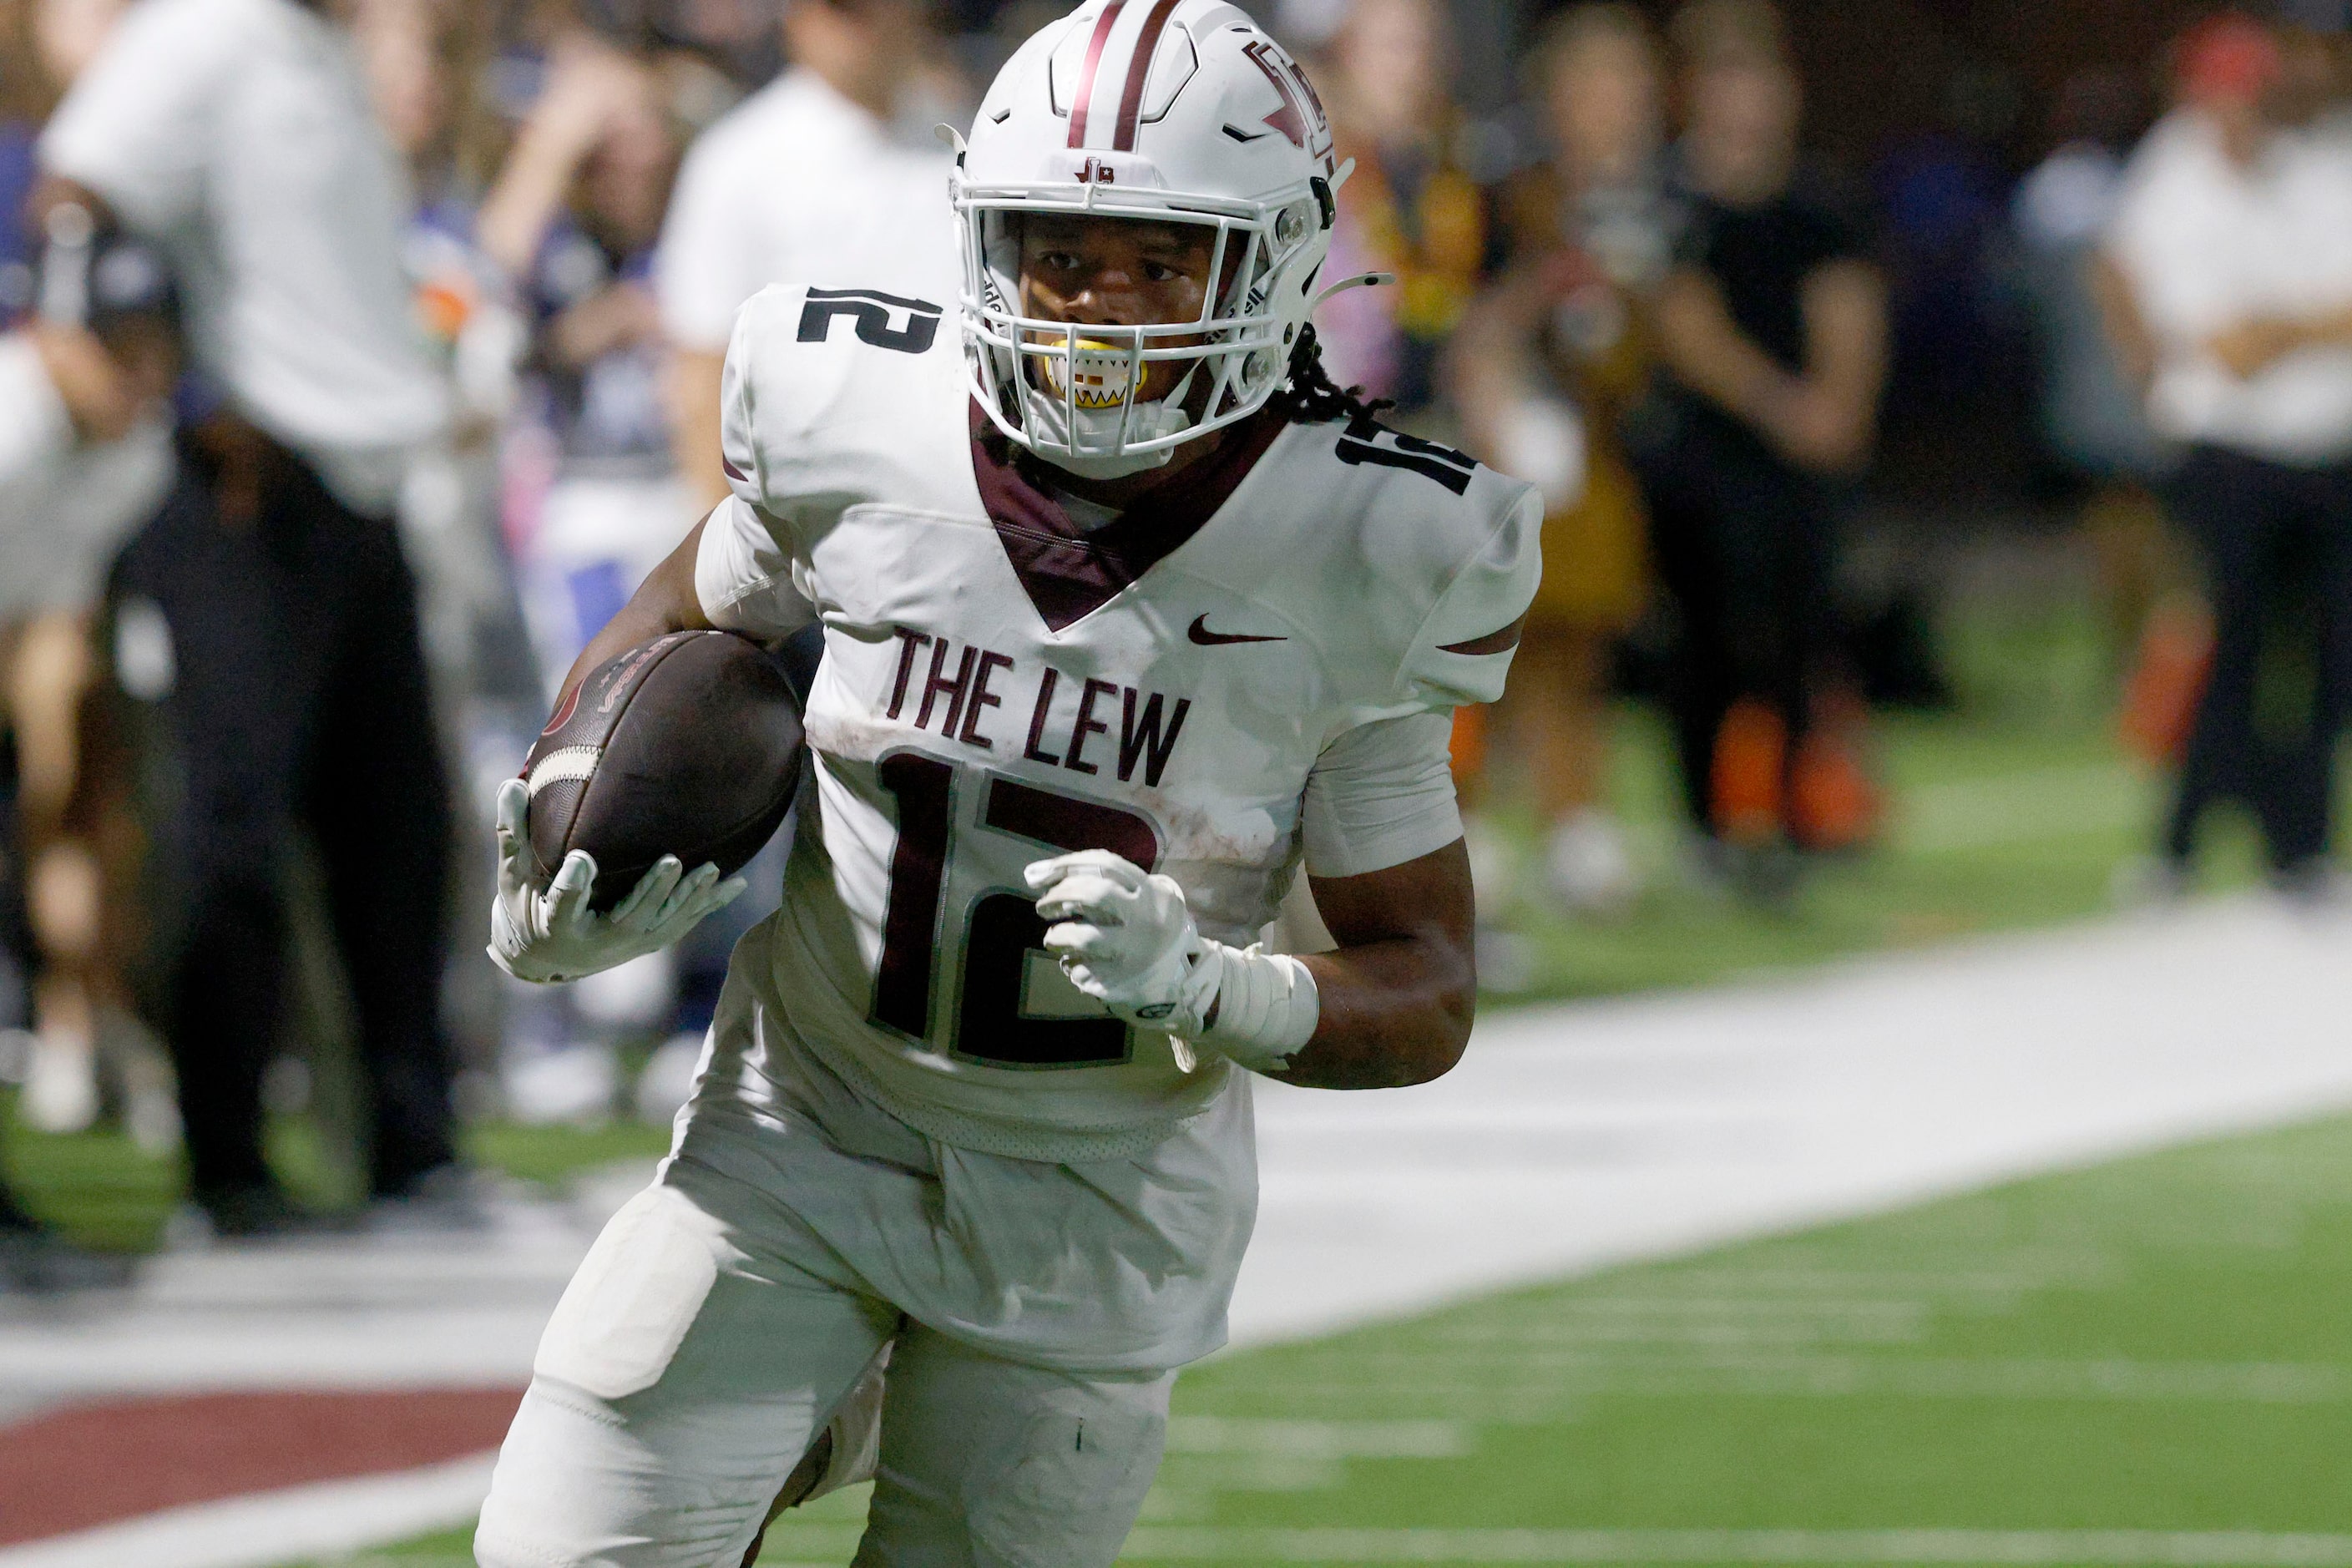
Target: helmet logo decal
[
  {"x": 1086, "y": 93},
  {"x": 1097, "y": 173},
  {"x": 1139, "y": 71},
  {"x": 1141, "y": 53},
  {"x": 1293, "y": 118}
]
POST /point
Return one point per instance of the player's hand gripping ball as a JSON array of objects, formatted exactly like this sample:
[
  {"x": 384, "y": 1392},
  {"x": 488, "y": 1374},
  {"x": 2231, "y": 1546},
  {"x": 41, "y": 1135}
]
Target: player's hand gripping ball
[
  {"x": 1126, "y": 939},
  {"x": 550, "y": 933}
]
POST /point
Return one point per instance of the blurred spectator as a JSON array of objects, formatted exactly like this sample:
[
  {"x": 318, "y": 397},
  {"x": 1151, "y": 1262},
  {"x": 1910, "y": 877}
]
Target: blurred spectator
[
  {"x": 1772, "y": 329},
  {"x": 573, "y": 220},
  {"x": 90, "y": 402},
  {"x": 82, "y": 460},
  {"x": 2092, "y": 419},
  {"x": 1410, "y": 208},
  {"x": 1544, "y": 367},
  {"x": 280, "y": 647},
  {"x": 2229, "y": 279},
  {"x": 815, "y": 179},
  {"x": 84, "y": 455}
]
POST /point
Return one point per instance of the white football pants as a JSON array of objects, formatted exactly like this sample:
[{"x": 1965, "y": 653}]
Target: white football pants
[{"x": 692, "y": 1364}]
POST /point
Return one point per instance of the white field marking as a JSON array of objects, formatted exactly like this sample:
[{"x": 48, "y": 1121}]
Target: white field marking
[
  {"x": 322, "y": 1519},
  {"x": 2022, "y": 808},
  {"x": 1213, "y": 1475},
  {"x": 1781, "y": 1330},
  {"x": 2105, "y": 1548},
  {"x": 1577, "y": 1379},
  {"x": 1603, "y": 1304},
  {"x": 1701, "y": 1322},
  {"x": 1319, "y": 1439}
]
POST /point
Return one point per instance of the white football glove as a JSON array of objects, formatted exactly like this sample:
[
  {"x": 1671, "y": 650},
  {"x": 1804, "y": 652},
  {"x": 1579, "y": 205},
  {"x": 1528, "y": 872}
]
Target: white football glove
[
  {"x": 1126, "y": 939},
  {"x": 548, "y": 934}
]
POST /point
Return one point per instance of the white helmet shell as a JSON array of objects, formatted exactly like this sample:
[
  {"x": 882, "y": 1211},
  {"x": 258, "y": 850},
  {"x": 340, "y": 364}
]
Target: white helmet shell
[{"x": 1163, "y": 110}]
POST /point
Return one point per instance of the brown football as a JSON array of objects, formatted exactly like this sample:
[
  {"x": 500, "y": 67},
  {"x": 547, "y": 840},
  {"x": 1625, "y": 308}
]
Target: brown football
[{"x": 687, "y": 745}]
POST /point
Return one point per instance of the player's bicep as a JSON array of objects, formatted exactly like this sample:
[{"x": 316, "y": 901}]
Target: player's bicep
[{"x": 1381, "y": 796}]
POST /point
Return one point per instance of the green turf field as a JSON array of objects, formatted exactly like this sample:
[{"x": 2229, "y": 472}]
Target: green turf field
[{"x": 2145, "y": 1362}]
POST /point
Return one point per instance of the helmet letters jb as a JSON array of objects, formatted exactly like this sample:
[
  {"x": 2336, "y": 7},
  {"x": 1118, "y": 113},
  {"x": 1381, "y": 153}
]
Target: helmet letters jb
[{"x": 1159, "y": 110}]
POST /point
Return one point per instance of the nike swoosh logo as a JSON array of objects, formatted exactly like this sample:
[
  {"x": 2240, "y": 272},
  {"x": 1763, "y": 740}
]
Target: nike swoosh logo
[{"x": 1200, "y": 633}]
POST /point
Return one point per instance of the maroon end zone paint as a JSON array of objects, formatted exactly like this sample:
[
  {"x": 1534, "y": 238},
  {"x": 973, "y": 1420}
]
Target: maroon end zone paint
[{"x": 91, "y": 1465}]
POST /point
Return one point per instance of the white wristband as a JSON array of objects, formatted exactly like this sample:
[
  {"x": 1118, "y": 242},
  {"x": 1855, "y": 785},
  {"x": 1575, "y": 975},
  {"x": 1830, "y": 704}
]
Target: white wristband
[{"x": 1267, "y": 1007}]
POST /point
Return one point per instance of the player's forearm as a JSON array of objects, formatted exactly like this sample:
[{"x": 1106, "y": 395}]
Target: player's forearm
[
  {"x": 1397, "y": 998},
  {"x": 1394, "y": 1014},
  {"x": 665, "y": 602}
]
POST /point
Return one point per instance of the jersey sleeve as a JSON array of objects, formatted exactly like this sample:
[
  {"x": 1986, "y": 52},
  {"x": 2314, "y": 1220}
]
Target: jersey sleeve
[
  {"x": 138, "y": 126},
  {"x": 1380, "y": 794},
  {"x": 1462, "y": 651},
  {"x": 744, "y": 576}
]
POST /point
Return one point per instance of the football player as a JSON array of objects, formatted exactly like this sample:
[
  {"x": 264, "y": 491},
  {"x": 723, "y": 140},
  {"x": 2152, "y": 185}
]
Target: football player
[{"x": 1126, "y": 611}]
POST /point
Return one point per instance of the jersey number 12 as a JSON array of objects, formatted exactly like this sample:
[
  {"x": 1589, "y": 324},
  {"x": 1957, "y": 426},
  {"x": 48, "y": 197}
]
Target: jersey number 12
[{"x": 1003, "y": 929}]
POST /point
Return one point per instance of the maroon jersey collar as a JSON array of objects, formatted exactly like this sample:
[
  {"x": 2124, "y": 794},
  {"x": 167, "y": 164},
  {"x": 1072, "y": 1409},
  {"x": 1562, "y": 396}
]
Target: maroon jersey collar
[{"x": 1069, "y": 573}]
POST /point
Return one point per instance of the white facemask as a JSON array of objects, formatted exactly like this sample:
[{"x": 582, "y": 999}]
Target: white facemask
[{"x": 1090, "y": 432}]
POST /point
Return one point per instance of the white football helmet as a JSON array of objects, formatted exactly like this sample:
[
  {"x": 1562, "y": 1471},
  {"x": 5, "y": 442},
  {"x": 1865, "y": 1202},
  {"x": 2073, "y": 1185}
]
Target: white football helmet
[{"x": 1162, "y": 110}]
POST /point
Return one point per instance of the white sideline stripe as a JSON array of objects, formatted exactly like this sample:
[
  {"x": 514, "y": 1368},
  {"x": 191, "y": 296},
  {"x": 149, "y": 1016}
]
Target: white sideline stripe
[
  {"x": 2120, "y": 1548},
  {"x": 326, "y": 1519}
]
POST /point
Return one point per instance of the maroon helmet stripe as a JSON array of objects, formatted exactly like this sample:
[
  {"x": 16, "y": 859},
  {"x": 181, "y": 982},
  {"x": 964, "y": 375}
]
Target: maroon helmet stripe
[
  {"x": 1138, "y": 74},
  {"x": 1103, "y": 24}
]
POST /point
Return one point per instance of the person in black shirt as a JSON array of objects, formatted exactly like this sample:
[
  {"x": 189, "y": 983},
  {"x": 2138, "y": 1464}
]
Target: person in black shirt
[{"x": 1772, "y": 331}]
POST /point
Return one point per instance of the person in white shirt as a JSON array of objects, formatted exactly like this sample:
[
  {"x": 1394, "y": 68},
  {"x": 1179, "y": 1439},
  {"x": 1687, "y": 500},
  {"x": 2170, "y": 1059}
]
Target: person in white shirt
[
  {"x": 2228, "y": 277},
  {"x": 238, "y": 136},
  {"x": 85, "y": 459},
  {"x": 85, "y": 455},
  {"x": 830, "y": 170}
]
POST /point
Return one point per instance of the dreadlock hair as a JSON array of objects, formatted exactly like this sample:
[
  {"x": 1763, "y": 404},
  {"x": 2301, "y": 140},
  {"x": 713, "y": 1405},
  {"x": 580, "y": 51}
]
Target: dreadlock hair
[{"x": 1312, "y": 397}]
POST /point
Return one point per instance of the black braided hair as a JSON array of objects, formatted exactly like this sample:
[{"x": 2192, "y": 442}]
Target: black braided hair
[{"x": 1312, "y": 397}]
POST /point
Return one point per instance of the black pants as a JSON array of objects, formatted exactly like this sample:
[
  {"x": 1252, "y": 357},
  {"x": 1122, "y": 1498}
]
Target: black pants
[
  {"x": 1743, "y": 548},
  {"x": 298, "y": 694},
  {"x": 2277, "y": 548}
]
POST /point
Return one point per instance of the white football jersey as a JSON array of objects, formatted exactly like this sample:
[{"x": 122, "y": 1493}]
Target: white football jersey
[{"x": 1197, "y": 685}]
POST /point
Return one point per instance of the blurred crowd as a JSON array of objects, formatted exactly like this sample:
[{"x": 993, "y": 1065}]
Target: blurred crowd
[{"x": 362, "y": 356}]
